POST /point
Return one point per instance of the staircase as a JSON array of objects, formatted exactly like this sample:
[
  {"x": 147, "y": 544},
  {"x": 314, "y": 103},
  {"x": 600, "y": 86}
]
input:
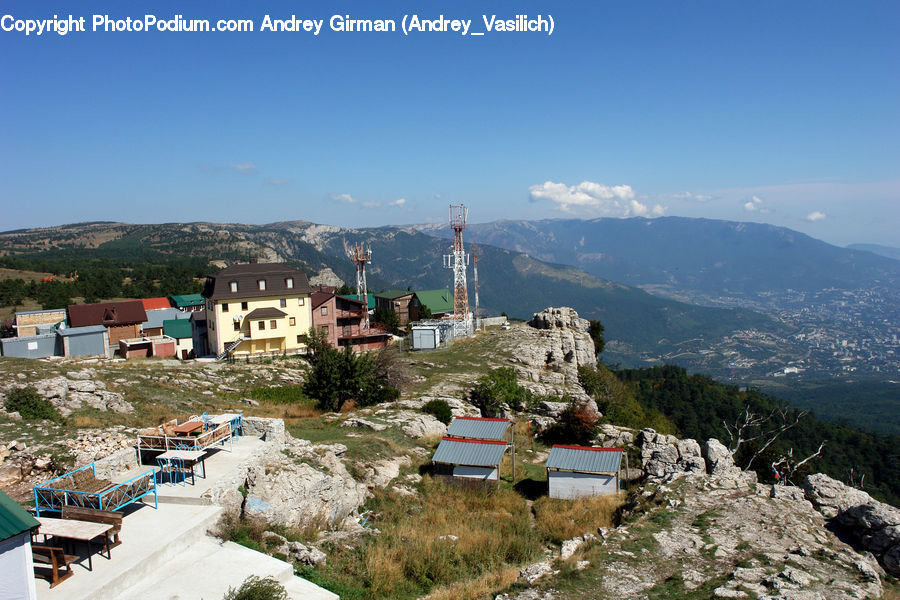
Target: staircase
[{"x": 230, "y": 348}]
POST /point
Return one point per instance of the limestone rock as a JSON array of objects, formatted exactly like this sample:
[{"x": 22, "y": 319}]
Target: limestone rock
[
  {"x": 363, "y": 424},
  {"x": 875, "y": 525},
  {"x": 420, "y": 425},
  {"x": 719, "y": 460}
]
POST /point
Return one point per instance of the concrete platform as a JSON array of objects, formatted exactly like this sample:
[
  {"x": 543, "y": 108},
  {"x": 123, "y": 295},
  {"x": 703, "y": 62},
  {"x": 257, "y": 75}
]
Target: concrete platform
[{"x": 167, "y": 554}]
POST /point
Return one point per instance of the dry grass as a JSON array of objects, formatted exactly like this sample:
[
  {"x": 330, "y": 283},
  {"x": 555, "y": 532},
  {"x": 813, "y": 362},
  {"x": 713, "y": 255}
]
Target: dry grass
[
  {"x": 492, "y": 530},
  {"x": 558, "y": 520},
  {"x": 480, "y": 588}
]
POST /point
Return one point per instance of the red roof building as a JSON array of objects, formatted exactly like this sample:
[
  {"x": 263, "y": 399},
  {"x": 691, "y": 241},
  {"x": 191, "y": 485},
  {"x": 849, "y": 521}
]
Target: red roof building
[{"x": 156, "y": 303}]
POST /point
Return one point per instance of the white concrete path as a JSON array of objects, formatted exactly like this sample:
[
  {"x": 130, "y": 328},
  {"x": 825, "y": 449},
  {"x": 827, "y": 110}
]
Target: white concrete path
[{"x": 167, "y": 554}]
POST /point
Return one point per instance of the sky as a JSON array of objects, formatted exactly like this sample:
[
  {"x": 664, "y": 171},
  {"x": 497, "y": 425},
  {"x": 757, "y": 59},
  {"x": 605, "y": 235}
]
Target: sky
[{"x": 779, "y": 112}]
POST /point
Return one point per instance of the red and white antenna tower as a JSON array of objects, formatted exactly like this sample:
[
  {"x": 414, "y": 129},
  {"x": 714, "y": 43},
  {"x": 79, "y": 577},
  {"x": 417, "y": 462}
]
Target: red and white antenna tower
[
  {"x": 360, "y": 256},
  {"x": 458, "y": 261}
]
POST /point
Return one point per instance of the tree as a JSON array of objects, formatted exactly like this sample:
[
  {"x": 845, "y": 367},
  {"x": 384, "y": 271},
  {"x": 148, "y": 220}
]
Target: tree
[
  {"x": 760, "y": 430},
  {"x": 577, "y": 424},
  {"x": 498, "y": 387},
  {"x": 339, "y": 376},
  {"x": 317, "y": 344},
  {"x": 595, "y": 329},
  {"x": 345, "y": 290},
  {"x": 387, "y": 318},
  {"x": 785, "y": 467}
]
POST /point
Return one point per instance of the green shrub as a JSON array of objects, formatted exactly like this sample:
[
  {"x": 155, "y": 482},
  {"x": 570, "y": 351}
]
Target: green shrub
[
  {"x": 282, "y": 394},
  {"x": 439, "y": 409},
  {"x": 256, "y": 588},
  {"x": 28, "y": 403},
  {"x": 577, "y": 424},
  {"x": 497, "y": 388}
]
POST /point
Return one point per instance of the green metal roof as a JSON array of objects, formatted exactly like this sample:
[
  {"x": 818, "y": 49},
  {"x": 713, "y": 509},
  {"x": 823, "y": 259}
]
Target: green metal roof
[
  {"x": 392, "y": 294},
  {"x": 188, "y": 300},
  {"x": 178, "y": 328},
  {"x": 437, "y": 301},
  {"x": 370, "y": 297},
  {"x": 13, "y": 518}
]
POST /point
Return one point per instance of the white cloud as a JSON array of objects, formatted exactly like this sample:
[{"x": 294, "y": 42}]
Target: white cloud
[
  {"x": 815, "y": 216},
  {"x": 659, "y": 210},
  {"x": 588, "y": 196},
  {"x": 247, "y": 168},
  {"x": 754, "y": 204},
  {"x": 399, "y": 202},
  {"x": 692, "y": 197},
  {"x": 343, "y": 198}
]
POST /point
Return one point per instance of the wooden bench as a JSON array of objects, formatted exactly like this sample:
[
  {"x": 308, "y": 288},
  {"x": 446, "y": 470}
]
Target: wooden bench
[
  {"x": 97, "y": 516},
  {"x": 55, "y": 559}
]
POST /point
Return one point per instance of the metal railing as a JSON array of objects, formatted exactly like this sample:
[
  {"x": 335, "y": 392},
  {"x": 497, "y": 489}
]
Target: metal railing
[{"x": 50, "y": 498}]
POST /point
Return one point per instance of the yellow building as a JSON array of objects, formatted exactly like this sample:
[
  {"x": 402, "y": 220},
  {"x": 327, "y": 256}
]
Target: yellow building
[{"x": 257, "y": 308}]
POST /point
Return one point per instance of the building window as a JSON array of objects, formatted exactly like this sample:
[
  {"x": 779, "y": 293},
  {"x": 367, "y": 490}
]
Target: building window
[
  {"x": 232, "y": 285},
  {"x": 293, "y": 321},
  {"x": 289, "y": 283},
  {"x": 301, "y": 339},
  {"x": 212, "y": 324},
  {"x": 224, "y": 307},
  {"x": 300, "y": 302},
  {"x": 243, "y": 306},
  {"x": 324, "y": 329},
  {"x": 273, "y": 324},
  {"x": 237, "y": 325},
  {"x": 261, "y": 283},
  {"x": 261, "y": 325},
  {"x": 283, "y": 303},
  {"x": 324, "y": 310}
]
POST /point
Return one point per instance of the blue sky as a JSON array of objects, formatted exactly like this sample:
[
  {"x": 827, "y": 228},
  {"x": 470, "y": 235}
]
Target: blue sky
[{"x": 785, "y": 113}]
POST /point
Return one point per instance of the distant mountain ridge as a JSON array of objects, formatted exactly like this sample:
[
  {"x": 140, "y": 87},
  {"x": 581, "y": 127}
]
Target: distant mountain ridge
[
  {"x": 886, "y": 251},
  {"x": 700, "y": 259},
  {"x": 509, "y": 281}
]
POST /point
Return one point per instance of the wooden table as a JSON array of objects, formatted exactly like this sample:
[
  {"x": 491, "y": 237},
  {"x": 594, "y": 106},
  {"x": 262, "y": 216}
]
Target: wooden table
[
  {"x": 188, "y": 456},
  {"x": 188, "y": 427},
  {"x": 72, "y": 529}
]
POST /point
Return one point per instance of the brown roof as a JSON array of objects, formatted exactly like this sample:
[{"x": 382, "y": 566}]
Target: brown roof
[
  {"x": 319, "y": 298},
  {"x": 247, "y": 276},
  {"x": 265, "y": 313},
  {"x": 107, "y": 313}
]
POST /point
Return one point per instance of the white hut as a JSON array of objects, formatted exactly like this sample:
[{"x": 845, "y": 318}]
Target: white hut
[
  {"x": 16, "y": 563},
  {"x": 574, "y": 471}
]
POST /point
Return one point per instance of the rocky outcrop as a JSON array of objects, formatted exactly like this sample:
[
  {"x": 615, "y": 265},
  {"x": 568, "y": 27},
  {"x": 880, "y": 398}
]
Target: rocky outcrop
[
  {"x": 664, "y": 456},
  {"x": 548, "y": 351},
  {"x": 77, "y": 390},
  {"x": 326, "y": 277},
  {"x": 873, "y": 524},
  {"x": 304, "y": 485}
]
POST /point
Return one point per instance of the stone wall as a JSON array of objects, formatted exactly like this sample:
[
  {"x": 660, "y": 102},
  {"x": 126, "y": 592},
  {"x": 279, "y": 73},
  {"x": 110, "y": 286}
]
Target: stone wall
[
  {"x": 115, "y": 464},
  {"x": 271, "y": 429}
]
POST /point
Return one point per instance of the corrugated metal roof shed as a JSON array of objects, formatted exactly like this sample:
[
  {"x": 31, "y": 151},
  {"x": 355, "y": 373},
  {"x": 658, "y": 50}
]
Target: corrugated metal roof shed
[
  {"x": 585, "y": 459},
  {"x": 13, "y": 518},
  {"x": 478, "y": 428},
  {"x": 82, "y": 330},
  {"x": 455, "y": 451}
]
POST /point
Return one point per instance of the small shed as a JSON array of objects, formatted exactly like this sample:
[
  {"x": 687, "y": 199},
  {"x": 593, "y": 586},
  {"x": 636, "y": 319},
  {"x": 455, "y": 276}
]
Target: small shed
[
  {"x": 471, "y": 459},
  {"x": 431, "y": 334},
  {"x": 16, "y": 564},
  {"x": 83, "y": 341},
  {"x": 182, "y": 331},
  {"x": 479, "y": 428},
  {"x": 32, "y": 346},
  {"x": 155, "y": 317},
  {"x": 574, "y": 471}
]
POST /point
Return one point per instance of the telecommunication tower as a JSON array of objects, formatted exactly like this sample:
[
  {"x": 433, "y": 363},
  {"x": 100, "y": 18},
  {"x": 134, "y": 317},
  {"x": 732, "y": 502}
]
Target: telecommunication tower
[
  {"x": 458, "y": 261},
  {"x": 360, "y": 256}
]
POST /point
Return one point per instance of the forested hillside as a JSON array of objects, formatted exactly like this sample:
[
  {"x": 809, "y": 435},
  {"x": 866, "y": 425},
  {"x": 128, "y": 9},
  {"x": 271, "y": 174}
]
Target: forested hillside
[{"x": 698, "y": 406}]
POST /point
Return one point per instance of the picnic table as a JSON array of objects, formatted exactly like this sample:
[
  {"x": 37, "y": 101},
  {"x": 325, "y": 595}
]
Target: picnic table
[
  {"x": 71, "y": 529},
  {"x": 188, "y": 427},
  {"x": 189, "y": 457}
]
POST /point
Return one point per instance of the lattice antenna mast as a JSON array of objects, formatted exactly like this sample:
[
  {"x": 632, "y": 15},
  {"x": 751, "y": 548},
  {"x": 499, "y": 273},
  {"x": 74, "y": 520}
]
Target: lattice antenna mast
[
  {"x": 360, "y": 256},
  {"x": 458, "y": 261},
  {"x": 475, "y": 275}
]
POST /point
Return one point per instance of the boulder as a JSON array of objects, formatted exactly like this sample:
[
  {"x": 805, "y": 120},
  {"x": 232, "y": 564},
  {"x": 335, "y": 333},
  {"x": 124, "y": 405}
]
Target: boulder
[
  {"x": 363, "y": 424},
  {"x": 420, "y": 425},
  {"x": 719, "y": 460},
  {"x": 874, "y": 525}
]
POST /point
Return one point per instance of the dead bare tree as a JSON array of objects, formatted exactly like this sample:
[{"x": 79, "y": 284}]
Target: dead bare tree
[
  {"x": 859, "y": 481},
  {"x": 752, "y": 427},
  {"x": 785, "y": 467}
]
